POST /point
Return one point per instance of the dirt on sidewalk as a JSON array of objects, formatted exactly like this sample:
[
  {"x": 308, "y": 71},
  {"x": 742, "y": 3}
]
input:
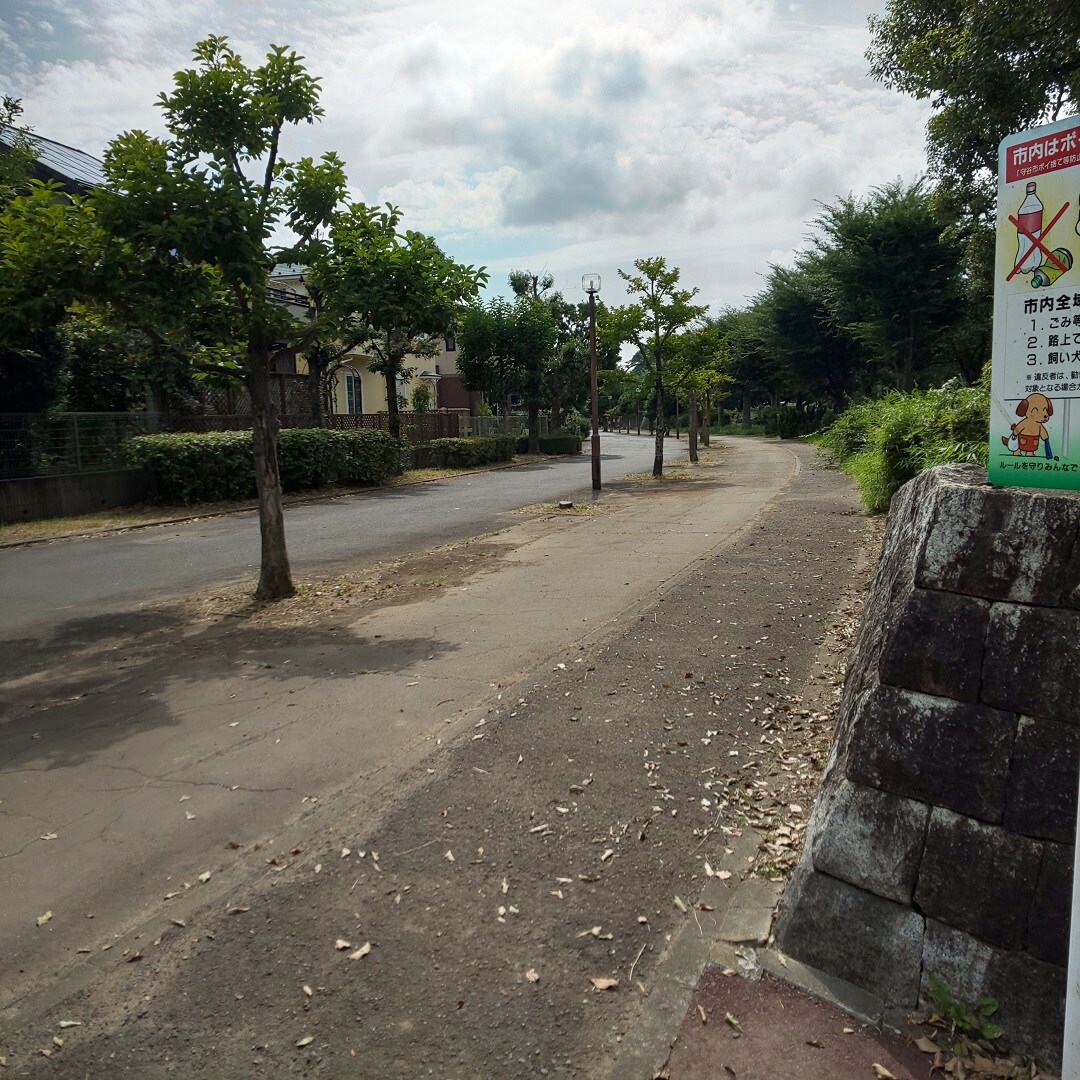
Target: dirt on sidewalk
[{"x": 502, "y": 909}]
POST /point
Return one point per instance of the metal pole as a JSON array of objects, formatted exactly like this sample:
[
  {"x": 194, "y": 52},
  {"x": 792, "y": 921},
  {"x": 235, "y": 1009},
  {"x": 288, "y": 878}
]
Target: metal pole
[{"x": 592, "y": 386}]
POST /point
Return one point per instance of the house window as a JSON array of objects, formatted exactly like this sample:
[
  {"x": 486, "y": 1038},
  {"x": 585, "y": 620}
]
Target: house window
[
  {"x": 450, "y": 342},
  {"x": 354, "y": 397}
]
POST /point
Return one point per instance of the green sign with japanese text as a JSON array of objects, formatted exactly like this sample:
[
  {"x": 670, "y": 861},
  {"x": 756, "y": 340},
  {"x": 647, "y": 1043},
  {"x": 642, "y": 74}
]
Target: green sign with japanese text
[{"x": 1035, "y": 387}]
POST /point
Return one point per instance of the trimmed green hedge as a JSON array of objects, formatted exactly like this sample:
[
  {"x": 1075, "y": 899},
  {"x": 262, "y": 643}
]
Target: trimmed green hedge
[
  {"x": 464, "y": 452},
  {"x": 206, "y": 467},
  {"x": 559, "y": 443}
]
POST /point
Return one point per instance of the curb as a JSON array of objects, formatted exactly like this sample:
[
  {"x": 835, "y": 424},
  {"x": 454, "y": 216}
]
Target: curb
[{"x": 112, "y": 529}]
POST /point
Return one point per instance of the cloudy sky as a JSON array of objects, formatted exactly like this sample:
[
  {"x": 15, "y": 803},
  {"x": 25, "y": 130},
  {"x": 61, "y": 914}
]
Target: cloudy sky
[{"x": 555, "y": 135}]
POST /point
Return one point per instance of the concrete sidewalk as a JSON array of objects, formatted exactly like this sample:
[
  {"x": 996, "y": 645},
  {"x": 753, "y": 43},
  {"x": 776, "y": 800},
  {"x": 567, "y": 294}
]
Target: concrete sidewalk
[{"x": 128, "y": 777}]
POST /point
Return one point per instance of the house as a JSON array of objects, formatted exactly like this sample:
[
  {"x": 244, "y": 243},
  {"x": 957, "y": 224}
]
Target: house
[
  {"x": 356, "y": 388},
  {"x": 75, "y": 171}
]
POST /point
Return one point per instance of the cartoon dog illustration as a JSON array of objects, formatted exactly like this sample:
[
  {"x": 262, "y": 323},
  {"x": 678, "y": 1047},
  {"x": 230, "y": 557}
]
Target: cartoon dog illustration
[{"x": 1029, "y": 432}]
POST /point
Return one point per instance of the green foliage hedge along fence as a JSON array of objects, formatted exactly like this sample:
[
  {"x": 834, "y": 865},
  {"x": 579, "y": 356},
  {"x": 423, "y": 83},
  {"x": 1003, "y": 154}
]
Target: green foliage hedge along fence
[
  {"x": 552, "y": 444},
  {"x": 464, "y": 453},
  {"x": 885, "y": 443},
  {"x": 206, "y": 467}
]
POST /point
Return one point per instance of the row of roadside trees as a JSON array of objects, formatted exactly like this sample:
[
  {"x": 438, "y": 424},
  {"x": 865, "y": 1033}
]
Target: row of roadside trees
[{"x": 177, "y": 247}]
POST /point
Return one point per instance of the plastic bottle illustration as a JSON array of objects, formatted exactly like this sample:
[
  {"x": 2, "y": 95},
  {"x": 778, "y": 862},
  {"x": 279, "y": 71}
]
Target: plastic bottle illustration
[
  {"x": 1049, "y": 272},
  {"x": 1030, "y": 220}
]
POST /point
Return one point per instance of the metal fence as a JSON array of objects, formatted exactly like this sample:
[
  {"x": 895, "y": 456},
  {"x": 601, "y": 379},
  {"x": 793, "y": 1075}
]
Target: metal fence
[
  {"x": 513, "y": 424},
  {"x": 39, "y": 444},
  {"x": 35, "y": 444}
]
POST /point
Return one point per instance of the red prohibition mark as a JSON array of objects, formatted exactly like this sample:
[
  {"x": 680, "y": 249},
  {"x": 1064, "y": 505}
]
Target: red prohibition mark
[{"x": 1037, "y": 243}]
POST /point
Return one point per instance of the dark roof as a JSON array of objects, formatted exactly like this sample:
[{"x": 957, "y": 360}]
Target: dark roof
[{"x": 75, "y": 170}]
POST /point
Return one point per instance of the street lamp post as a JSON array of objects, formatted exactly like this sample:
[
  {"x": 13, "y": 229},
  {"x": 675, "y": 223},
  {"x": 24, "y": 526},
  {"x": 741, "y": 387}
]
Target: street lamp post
[{"x": 591, "y": 284}]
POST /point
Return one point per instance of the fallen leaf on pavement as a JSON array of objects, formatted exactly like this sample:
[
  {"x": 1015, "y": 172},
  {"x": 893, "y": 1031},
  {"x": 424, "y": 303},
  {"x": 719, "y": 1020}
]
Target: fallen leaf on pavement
[
  {"x": 927, "y": 1046},
  {"x": 238, "y": 910},
  {"x": 701, "y": 1013},
  {"x": 306, "y": 1040},
  {"x": 680, "y": 905},
  {"x": 882, "y": 1073},
  {"x": 41, "y": 920},
  {"x": 341, "y": 944},
  {"x": 205, "y": 876},
  {"x": 532, "y": 976},
  {"x": 70, "y": 1023},
  {"x": 307, "y": 990},
  {"x": 361, "y": 952},
  {"x": 57, "y": 1041},
  {"x": 48, "y": 836},
  {"x": 449, "y": 856},
  {"x": 733, "y": 1022},
  {"x": 605, "y": 984}
]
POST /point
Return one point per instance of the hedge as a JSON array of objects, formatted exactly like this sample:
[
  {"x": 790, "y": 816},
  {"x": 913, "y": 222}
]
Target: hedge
[
  {"x": 206, "y": 467},
  {"x": 560, "y": 443},
  {"x": 464, "y": 452}
]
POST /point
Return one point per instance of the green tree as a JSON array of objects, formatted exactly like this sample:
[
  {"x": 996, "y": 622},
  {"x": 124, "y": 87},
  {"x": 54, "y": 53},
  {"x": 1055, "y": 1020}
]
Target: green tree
[
  {"x": 503, "y": 349},
  {"x": 182, "y": 231},
  {"x": 16, "y": 149},
  {"x": 892, "y": 276},
  {"x": 661, "y": 310},
  {"x": 401, "y": 286},
  {"x": 698, "y": 367},
  {"x": 988, "y": 68},
  {"x": 818, "y": 361}
]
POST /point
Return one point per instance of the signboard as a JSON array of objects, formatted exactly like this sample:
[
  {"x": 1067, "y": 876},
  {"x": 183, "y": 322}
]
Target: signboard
[{"x": 1035, "y": 387}]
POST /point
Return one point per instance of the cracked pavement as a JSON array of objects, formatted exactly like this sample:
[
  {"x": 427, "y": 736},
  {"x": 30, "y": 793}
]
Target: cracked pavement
[{"x": 244, "y": 741}]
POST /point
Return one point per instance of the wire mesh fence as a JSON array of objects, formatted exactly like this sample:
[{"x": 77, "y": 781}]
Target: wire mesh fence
[
  {"x": 40, "y": 444},
  {"x": 36, "y": 444}
]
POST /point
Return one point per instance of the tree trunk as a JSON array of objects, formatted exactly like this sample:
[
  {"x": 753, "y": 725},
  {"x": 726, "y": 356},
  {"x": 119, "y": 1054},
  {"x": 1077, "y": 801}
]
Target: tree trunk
[
  {"x": 677, "y": 418},
  {"x": 706, "y": 427},
  {"x": 692, "y": 426},
  {"x": 746, "y": 408},
  {"x": 275, "y": 579},
  {"x": 315, "y": 368},
  {"x": 393, "y": 417},
  {"x": 658, "y": 452},
  {"x": 534, "y": 429}
]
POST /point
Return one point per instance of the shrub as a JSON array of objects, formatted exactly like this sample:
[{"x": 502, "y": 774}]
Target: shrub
[
  {"x": 208, "y": 467},
  {"x": 465, "y": 452},
  {"x": 885, "y": 443},
  {"x": 573, "y": 423},
  {"x": 562, "y": 443}
]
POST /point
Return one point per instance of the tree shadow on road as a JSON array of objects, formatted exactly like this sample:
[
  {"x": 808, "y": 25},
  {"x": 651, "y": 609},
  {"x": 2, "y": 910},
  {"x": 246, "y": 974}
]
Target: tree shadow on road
[{"x": 88, "y": 685}]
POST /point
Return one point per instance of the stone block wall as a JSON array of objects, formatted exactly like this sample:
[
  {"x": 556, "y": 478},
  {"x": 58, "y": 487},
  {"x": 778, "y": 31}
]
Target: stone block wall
[{"x": 942, "y": 841}]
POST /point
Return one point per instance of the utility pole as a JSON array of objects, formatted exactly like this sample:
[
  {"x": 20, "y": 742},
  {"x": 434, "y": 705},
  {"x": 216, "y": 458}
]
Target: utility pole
[{"x": 591, "y": 284}]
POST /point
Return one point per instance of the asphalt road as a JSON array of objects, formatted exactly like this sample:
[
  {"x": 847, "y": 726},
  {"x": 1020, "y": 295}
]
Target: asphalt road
[{"x": 43, "y": 585}]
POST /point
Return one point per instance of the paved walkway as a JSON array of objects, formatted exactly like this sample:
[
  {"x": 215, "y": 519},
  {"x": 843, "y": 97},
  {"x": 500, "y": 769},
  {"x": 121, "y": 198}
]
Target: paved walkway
[{"x": 141, "y": 765}]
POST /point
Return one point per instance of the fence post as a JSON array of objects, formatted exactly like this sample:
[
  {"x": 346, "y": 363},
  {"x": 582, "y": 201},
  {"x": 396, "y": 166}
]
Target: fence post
[{"x": 78, "y": 451}]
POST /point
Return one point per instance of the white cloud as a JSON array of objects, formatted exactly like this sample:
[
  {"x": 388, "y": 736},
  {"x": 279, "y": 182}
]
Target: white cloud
[{"x": 577, "y": 138}]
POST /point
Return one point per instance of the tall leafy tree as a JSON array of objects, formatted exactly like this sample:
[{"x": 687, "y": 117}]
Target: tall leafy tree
[
  {"x": 399, "y": 285},
  {"x": 988, "y": 68},
  {"x": 503, "y": 349},
  {"x": 183, "y": 230},
  {"x": 892, "y": 275},
  {"x": 661, "y": 310}
]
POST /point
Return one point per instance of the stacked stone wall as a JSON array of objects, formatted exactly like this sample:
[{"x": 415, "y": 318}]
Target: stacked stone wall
[{"x": 942, "y": 841}]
